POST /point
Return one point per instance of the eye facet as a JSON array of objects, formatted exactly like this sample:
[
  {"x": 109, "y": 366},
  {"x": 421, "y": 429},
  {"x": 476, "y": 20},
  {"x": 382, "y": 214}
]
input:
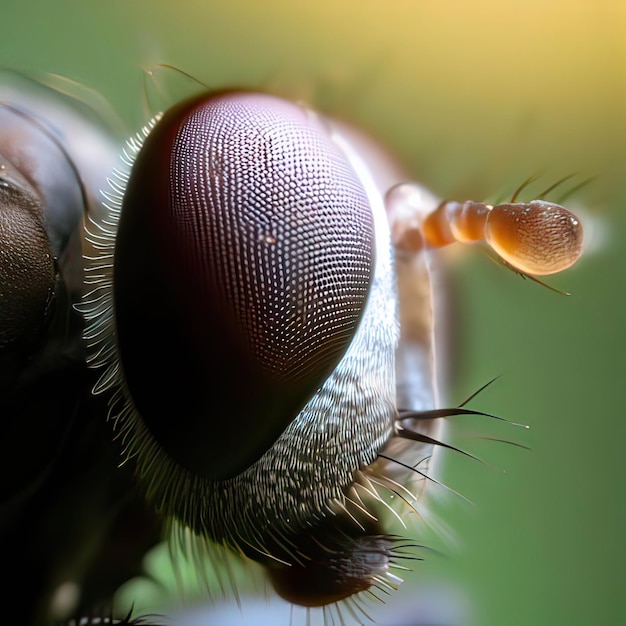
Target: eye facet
[{"x": 246, "y": 235}]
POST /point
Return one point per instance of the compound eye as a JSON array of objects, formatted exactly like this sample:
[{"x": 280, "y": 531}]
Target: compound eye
[{"x": 242, "y": 264}]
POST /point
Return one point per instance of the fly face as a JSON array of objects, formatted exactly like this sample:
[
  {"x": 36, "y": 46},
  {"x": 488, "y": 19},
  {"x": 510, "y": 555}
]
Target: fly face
[
  {"x": 282, "y": 383},
  {"x": 262, "y": 319},
  {"x": 260, "y": 413}
]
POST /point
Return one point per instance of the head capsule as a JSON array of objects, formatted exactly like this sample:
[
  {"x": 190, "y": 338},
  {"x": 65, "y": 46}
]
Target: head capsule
[{"x": 248, "y": 330}]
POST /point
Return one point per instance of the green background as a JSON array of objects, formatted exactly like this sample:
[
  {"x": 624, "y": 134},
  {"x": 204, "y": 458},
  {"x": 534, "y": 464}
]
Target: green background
[{"x": 474, "y": 97}]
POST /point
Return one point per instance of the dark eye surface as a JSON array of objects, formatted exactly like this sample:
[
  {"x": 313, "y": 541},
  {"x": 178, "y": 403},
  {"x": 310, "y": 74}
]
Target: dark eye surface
[{"x": 242, "y": 265}]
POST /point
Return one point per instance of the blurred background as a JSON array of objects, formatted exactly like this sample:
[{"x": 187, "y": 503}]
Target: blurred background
[{"x": 473, "y": 97}]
